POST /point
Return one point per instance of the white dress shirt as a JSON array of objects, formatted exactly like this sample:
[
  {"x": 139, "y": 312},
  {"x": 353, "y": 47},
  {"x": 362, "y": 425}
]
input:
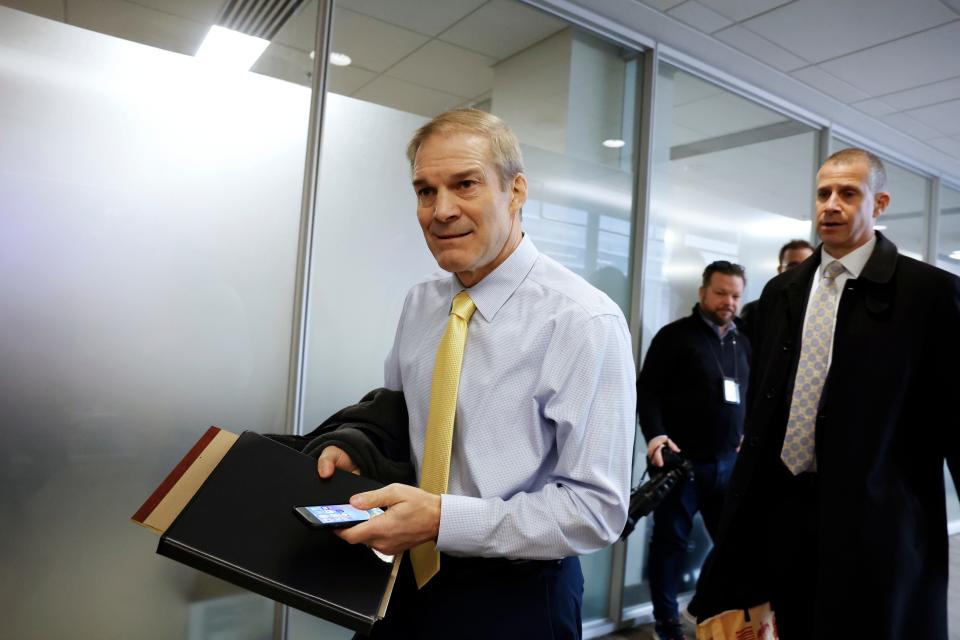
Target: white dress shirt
[{"x": 543, "y": 439}]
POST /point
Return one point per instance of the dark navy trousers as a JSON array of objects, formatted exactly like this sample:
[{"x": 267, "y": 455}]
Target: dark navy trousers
[
  {"x": 486, "y": 598},
  {"x": 672, "y": 523}
]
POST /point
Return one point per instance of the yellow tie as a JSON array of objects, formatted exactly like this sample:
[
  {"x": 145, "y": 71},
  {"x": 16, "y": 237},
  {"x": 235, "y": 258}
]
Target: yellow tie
[{"x": 435, "y": 469}]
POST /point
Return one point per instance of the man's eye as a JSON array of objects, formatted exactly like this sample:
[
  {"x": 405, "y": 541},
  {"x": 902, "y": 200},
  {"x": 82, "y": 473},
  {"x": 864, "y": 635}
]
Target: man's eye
[{"x": 468, "y": 184}]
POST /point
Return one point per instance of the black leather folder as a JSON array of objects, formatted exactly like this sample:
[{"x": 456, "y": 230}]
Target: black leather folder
[{"x": 240, "y": 526}]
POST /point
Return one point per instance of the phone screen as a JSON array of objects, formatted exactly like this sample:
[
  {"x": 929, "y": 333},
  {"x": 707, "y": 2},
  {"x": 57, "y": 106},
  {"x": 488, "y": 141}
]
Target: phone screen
[{"x": 340, "y": 514}]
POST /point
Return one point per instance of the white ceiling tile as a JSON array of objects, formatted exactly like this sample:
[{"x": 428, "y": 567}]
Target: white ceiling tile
[
  {"x": 921, "y": 59},
  {"x": 699, "y": 17},
  {"x": 944, "y": 117},
  {"x": 911, "y": 127},
  {"x": 500, "y": 29},
  {"x": 954, "y": 4},
  {"x": 206, "y": 11},
  {"x": 300, "y": 30},
  {"x": 372, "y": 44},
  {"x": 286, "y": 63},
  {"x": 819, "y": 30},
  {"x": 347, "y": 80},
  {"x": 922, "y": 96},
  {"x": 52, "y": 9},
  {"x": 949, "y": 146},
  {"x": 738, "y": 10},
  {"x": 760, "y": 48},
  {"x": 429, "y": 18},
  {"x": 404, "y": 96},
  {"x": 138, "y": 24},
  {"x": 829, "y": 84},
  {"x": 662, "y": 5},
  {"x": 874, "y": 107},
  {"x": 447, "y": 68}
]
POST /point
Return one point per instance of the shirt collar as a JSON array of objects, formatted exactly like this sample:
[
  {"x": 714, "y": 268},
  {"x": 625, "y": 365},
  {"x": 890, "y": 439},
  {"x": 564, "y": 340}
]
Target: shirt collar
[
  {"x": 854, "y": 261},
  {"x": 495, "y": 289},
  {"x": 731, "y": 330}
]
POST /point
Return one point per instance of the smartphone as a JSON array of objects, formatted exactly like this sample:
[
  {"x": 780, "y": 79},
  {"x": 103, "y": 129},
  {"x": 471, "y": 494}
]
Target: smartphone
[{"x": 336, "y": 516}]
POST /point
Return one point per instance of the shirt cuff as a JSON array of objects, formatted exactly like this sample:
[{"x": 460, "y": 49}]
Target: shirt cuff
[{"x": 462, "y": 525}]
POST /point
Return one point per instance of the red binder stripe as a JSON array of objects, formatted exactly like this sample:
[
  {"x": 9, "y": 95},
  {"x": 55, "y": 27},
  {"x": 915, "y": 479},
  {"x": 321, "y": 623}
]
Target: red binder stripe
[{"x": 144, "y": 512}]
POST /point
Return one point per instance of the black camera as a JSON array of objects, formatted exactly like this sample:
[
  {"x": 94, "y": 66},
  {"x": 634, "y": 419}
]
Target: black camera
[{"x": 651, "y": 493}]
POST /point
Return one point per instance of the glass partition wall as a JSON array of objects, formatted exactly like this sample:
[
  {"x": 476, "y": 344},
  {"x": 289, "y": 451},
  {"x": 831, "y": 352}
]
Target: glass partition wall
[
  {"x": 730, "y": 180},
  {"x": 149, "y": 218}
]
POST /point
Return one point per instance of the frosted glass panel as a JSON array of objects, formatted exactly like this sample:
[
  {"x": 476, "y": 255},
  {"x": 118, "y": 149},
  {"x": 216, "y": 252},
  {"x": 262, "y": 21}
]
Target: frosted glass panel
[
  {"x": 731, "y": 180},
  {"x": 948, "y": 254},
  {"x": 148, "y": 219},
  {"x": 902, "y": 222},
  {"x": 368, "y": 251}
]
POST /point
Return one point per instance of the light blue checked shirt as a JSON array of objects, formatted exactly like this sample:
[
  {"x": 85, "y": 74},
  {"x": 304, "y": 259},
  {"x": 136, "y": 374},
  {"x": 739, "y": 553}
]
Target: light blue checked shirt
[{"x": 542, "y": 444}]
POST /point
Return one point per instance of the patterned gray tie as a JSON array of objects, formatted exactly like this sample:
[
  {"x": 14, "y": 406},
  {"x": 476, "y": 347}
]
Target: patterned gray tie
[{"x": 798, "y": 444}]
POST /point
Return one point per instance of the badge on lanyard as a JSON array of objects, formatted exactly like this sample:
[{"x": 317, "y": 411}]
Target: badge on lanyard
[{"x": 731, "y": 390}]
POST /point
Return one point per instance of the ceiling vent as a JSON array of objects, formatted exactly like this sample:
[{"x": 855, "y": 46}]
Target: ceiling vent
[{"x": 259, "y": 18}]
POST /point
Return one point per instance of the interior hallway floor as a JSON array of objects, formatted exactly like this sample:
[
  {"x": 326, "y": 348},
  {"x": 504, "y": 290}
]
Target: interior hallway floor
[{"x": 646, "y": 632}]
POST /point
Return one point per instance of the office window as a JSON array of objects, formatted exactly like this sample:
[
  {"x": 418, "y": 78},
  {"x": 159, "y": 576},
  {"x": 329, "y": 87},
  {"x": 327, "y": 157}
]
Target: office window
[
  {"x": 562, "y": 91},
  {"x": 149, "y": 220},
  {"x": 948, "y": 242},
  {"x": 903, "y": 221},
  {"x": 731, "y": 180}
]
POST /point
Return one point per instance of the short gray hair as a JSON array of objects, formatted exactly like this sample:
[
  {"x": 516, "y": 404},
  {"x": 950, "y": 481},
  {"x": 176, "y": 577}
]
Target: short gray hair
[
  {"x": 504, "y": 146},
  {"x": 878, "y": 174}
]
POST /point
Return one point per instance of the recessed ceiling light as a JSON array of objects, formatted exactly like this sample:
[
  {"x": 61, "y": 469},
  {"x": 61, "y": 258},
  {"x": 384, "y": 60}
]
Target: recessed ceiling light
[
  {"x": 880, "y": 227},
  {"x": 955, "y": 255},
  {"x": 230, "y": 49},
  {"x": 613, "y": 144},
  {"x": 339, "y": 59}
]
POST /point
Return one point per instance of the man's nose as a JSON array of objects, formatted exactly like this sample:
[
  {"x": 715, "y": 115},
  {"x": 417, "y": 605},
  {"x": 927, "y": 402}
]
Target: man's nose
[{"x": 445, "y": 205}]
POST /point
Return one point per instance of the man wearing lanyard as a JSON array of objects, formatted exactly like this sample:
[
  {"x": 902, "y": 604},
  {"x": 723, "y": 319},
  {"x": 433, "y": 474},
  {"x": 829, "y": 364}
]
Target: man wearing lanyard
[{"x": 690, "y": 396}]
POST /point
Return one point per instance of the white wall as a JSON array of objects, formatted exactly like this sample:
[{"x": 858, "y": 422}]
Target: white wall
[{"x": 148, "y": 230}]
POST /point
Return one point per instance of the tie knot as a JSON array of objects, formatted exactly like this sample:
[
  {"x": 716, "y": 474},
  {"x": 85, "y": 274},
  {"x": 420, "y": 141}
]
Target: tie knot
[
  {"x": 832, "y": 270},
  {"x": 463, "y": 307}
]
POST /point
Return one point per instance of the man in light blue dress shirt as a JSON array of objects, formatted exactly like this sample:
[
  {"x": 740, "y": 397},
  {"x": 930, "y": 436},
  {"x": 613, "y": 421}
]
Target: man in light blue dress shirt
[{"x": 543, "y": 436}]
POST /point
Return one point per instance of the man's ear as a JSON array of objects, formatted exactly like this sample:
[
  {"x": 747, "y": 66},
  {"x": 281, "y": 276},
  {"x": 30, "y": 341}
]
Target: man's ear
[
  {"x": 880, "y": 202},
  {"x": 518, "y": 192}
]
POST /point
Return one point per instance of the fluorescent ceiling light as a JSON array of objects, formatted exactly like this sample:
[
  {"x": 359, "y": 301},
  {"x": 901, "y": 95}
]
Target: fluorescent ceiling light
[
  {"x": 230, "y": 49},
  {"x": 339, "y": 59},
  {"x": 880, "y": 227},
  {"x": 955, "y": 255},
  {"x": 613, "y": 144},
  {"x": 336, "y": 59}
]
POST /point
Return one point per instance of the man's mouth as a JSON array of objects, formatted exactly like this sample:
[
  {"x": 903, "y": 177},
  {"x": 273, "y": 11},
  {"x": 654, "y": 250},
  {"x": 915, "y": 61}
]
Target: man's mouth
[{"x": 450, "y": 236}]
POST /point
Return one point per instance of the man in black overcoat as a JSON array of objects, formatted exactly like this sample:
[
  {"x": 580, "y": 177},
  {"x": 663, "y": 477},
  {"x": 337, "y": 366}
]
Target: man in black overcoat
[{"x": 843, "y": 529}]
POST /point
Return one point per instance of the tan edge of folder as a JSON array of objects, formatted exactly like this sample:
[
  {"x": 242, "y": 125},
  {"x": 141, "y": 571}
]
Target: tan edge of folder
[{"x": 168, "y": 500}]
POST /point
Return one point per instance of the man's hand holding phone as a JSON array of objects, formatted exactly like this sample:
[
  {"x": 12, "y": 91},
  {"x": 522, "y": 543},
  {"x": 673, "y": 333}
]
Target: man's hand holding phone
[{"x": 412, "y": 516}]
